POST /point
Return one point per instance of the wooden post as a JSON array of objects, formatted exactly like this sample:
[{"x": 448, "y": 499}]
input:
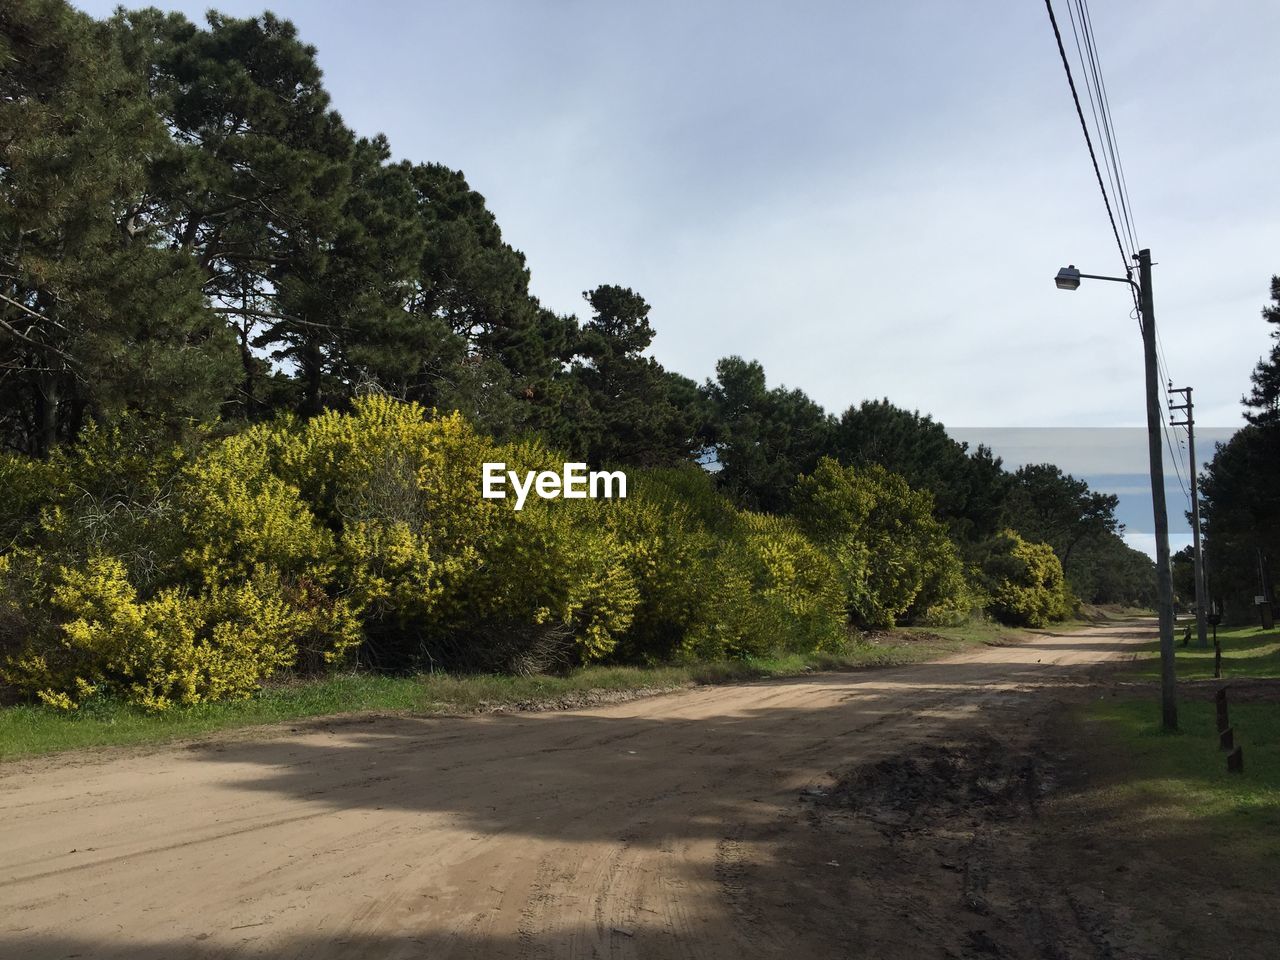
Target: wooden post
[
  {"x": 1221, "y": 699},
  {"x": 1227, "y": 739},
  {"x": 1235, "y": 761}
]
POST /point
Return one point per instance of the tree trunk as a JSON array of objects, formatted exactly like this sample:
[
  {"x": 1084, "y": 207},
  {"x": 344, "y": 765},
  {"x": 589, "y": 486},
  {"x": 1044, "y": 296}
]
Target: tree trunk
[
  {"x": 47, "y": 424},
  {"x": 311, "y": 360},
  {"x": 250, "y": 384}
]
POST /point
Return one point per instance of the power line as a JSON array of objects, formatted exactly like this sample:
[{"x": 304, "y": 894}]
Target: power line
[
  {"x": 1100, "y": 107},
  {"x": 1100, "y": 124},
  {"x": 1104, "y": 125},
  {"x": 1177, "y": 470},
  {"x": 1084, "y": 126},
  {"x": 1106, "y": 106}
]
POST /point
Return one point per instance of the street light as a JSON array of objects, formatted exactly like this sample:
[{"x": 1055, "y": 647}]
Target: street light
[{"x": 1068, "y": 278}]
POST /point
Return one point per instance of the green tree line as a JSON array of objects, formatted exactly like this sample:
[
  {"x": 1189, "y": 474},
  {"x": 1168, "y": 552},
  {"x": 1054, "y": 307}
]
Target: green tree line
[
  {"x": 1240, "y": 494},
  {"x": 250, "y": 364}
]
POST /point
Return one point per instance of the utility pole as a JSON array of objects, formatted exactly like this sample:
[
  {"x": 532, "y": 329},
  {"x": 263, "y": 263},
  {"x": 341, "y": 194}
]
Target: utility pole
[
  {"x": 1202, "y": 599},
  {"x": 1155, "y": 426},
  {"x": 1068, "y": 278}
]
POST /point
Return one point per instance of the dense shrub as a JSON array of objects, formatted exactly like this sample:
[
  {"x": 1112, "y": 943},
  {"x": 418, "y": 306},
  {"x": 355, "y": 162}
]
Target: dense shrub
[
  {"x": 170, "y": 576},
  {"x": 666, "y": 537},
  {"x": 714, "y": 582},
  {"x": 775, "y": 591},
  {"x": 892, "y": 555},
  {"x": 171, "y": 648},
  {"x": 109, "y": 494},
  {"x": 162, "y": 579},
  {"x": 397, "y": 491},
  {"x": 1024, "y": 582},
  {"x": 441, "y": 574}
]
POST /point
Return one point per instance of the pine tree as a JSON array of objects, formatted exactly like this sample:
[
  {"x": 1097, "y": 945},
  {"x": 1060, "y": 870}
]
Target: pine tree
[
  {"x": 631, "y": 410},
  {"x": 95, "y": 316},
  {"x": 255, "y": 178},
  {"x": 763, "y": 438},
  {"x": 1264, "y": 400},
  {"x": 342, "y": 305},
  {"x": 478, "y": 340},
  {"x": 968, "y": 489}
]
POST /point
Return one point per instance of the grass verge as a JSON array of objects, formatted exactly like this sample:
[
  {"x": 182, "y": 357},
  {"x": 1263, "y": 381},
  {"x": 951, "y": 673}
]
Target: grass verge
[
  {"x": 1181, "y": 779},
  {"x": 30, "y": 730},
  {"x": 1179, "y": 782},
  {"x": 1246, "y": 652},
  {"x": 978, "y": 630}
]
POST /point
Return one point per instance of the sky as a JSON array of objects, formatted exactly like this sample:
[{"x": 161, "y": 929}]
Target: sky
[
  {"x": 869, "y": 198},
  {"x": 1112, "y": 460}
]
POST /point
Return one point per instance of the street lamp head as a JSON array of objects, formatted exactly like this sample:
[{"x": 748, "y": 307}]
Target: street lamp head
[{"x": 1068, "y": 278}]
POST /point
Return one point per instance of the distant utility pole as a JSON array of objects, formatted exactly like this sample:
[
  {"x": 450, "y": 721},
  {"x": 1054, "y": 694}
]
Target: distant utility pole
[{"x": 1202, "y": 600}]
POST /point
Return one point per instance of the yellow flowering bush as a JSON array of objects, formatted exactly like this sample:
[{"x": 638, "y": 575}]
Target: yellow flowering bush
[
  {"x": 547, "y": 586},
  {"x": 775, "y": 591},
  {"x": 1024, "y": 582},
  {"x": 714, "y": 582},
  {"x": 893, "y": 555},
  {"x": 169, "y": 576},
  {"x": 399, "y": 491},
  {"x": 238, "y": 516},
  {"x": 669, "y": 550},
  {"x": 439, "y": 573},
  {"x": 171, "y": 649}
]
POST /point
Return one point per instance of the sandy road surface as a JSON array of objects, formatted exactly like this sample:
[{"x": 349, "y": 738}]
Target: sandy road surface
[{"x": 623, "y": 831}]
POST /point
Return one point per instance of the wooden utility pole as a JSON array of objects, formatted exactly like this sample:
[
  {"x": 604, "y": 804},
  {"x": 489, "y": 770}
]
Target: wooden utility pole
[
  {"x": 1155, "y": 428},
  {"x": 1202, "y": 599},
  {"x": 1068, "y": 278}
]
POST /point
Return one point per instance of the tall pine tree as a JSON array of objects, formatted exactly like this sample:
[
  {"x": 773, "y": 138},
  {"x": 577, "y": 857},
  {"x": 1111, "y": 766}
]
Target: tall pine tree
[
  {"x": 254, "y": 180},
  {"x": 1264, "y": 400},
  {"x": 95, "y": 315}
]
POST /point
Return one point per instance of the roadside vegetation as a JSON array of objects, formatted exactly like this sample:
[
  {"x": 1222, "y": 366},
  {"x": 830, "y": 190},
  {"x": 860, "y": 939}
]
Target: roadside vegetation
[
  {"x": 253, "y": 368},
  {"x": 188, "y": 576},
  {"x": 1246, "y": 652},
  {"x": 35, "y": 729},
  {"x": 1179, "y": 781}
]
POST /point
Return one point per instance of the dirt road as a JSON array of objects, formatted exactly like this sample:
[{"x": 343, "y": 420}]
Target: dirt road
[{"x": 662, "y": 827}]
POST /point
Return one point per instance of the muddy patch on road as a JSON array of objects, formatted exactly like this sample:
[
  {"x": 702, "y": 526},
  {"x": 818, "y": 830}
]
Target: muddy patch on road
[
  {"x": 940, "y": 781},
  {"x": 987, "y": 842},
  {"x": 955, "y": 827}
]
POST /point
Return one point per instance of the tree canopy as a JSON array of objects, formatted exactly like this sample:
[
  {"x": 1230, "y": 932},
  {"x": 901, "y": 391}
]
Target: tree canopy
[
  {"x": 1263, "y": 401},
  {"x": 191, "y": 237}
]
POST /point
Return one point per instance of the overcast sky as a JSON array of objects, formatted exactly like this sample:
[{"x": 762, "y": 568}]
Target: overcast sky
[{"x": 871, "y": 199}]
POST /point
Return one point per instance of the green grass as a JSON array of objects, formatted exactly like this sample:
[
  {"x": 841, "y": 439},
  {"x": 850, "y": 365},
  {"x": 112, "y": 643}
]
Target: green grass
[
  {"x": 979, "y": 630},
  {"x": 974, "y": 631},
  {"x": 1246, "y": 652},
  {"x": 1182, "y": 777},
  {"x": 30, "y": 730}
]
